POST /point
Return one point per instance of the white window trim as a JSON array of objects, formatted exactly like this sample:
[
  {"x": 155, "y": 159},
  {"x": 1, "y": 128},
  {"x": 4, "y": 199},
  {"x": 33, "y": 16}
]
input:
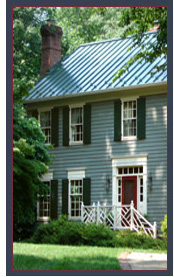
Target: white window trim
[
  {"x": 70, "y": 132},
  {"x": 122, "y": 102},
  {"x": 45, "y": 178},
  {"x": 74, "y": 175},
  {"x": 41, "y": 111},
  {"x": 129, "y": 161}
]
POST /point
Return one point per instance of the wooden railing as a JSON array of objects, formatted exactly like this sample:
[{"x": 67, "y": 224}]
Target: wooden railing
[{"x": 118, "y": 217}]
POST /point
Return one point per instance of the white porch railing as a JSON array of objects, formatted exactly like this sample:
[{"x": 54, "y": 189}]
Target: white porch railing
[{"x": 118, "y": 217}]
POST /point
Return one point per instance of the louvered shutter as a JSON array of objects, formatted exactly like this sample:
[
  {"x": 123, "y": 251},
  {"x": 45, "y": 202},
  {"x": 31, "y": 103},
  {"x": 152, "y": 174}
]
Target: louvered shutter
[
  {"x": 87, "y": 124},
  {"x": 141, "y": 118},
  {"x": 87, "y": 191},
  {"x": 65, "y": 196},
  {"x": 55, "y": 126},
  {"x": 54, "y": 199},
  {"x": 66, "y": 126},
  {"x": 117, "y": 120}
]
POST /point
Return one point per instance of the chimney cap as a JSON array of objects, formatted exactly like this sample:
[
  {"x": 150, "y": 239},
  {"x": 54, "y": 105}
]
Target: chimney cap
[{"x": 49, "y": 28}]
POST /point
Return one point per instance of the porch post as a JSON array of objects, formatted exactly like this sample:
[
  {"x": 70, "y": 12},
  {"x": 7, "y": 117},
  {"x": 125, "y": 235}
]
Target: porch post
[
  {"x": 82, "y": 212},
  {"x": 132, "y": 215},
  {"x": 155, "y": 230}
]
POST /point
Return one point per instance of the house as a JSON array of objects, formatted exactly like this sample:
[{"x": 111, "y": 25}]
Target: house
[{"x": 110, "y": 138}]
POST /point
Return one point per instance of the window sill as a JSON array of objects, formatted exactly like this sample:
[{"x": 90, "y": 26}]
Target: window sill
[
  {"x": 128, "y": 138},
  {"x": 43, "y": 219},
  {"x": 74, "y": 218},
  {"x": 75, "y": 142}
]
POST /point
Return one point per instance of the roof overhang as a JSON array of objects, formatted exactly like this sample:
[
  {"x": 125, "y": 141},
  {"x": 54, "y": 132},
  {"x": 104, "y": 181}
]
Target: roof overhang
[{"x": 108, "y": 94}]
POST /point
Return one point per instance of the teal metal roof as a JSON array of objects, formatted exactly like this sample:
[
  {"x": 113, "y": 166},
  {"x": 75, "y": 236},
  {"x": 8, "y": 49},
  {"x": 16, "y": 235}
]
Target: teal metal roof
[{"x": 92, "y": 66}]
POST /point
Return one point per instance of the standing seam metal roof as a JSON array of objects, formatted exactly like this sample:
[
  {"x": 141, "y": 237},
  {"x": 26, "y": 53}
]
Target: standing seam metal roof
[{"x": 92, "y": 66}]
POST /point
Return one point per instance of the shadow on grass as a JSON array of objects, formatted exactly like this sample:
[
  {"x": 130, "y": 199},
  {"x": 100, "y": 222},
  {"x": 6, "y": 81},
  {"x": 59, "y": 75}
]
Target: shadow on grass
[{"x": 25, "y": 262}]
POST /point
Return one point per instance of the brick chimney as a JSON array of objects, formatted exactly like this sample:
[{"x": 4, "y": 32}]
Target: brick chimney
[
  {"x": 154, "y": 28},
  {"x": 51, "y": 45}
]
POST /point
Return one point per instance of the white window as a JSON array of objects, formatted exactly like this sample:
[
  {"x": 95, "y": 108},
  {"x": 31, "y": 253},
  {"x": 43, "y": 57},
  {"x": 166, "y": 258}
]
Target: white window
[
  {"x": 75, "y": 178},
  {"x": 45, "y": 123},
  {"x": 129, "y": 119},
  {"x": 76, "y": 187},
  {"x": 76, "y": 125},
  {"x": 43, "y": 204}
]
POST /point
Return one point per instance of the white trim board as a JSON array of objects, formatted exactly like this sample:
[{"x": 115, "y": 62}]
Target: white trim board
[{"x": 130, "y": 161}]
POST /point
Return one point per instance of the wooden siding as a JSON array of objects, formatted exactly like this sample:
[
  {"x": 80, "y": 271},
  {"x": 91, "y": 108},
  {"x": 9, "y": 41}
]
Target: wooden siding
[{"x": 96, "y": 157}]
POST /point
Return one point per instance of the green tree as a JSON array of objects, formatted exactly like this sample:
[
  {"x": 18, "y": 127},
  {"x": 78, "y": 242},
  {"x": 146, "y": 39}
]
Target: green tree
[
  {"x": 30, "y": 155},
  {"x": 30, "y": 162},
  {"x": 138, "y": 21}
]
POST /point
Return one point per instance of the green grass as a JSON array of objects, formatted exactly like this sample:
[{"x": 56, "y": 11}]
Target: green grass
[
  {"x": 60, "y": 257},
  {"x": 27, "y": 256}
]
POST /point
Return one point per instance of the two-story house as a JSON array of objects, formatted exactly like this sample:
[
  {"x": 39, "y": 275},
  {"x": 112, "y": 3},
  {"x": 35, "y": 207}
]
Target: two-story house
[{"x": 110, "y": 138}]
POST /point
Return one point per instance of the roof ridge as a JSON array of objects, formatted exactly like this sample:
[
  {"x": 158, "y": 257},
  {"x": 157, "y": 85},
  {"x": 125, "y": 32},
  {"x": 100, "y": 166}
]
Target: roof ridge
[{"x": 113, "y": 39}]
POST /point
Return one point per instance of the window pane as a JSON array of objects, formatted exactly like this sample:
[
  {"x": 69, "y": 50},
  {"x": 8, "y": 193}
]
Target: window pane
[
  {"x": 120, "y": 171},
  {"x": 45, "y": 119},
  {"x": 125, "y": 170}
]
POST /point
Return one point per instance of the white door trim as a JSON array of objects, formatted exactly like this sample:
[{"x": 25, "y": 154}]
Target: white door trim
[{"x": 129, "y": 161}]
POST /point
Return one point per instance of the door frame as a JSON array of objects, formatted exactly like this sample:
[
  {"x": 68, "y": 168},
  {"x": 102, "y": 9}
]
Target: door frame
[
  {"x": 129, "y": 161},
  {"x": 134, "y": 178}
]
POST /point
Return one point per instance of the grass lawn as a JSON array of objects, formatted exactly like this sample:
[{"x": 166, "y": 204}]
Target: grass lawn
[{"x": 28, "y": 256}]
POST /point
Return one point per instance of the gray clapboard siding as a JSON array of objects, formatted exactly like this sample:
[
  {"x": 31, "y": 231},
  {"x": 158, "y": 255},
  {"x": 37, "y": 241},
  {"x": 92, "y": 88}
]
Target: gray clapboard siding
[{"x": 96, "y": 157}]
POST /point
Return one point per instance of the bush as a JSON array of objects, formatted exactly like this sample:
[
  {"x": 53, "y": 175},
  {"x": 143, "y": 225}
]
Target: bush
[
  {"x": 98, "y": 235},
  {"x": 62, "y": 231},
  {"x": 127, "y": 238},
  {"x": 164, "y": 226}
]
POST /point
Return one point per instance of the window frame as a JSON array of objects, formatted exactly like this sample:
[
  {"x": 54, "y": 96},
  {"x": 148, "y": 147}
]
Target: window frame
[
  {"x": 124, "y": 138},
  {"x": 74, "y": 174},
  {"x": 44, "y": 218},
  {"x": 69, "y": 200},
  {"x": 42, "y": 128},
  {"x": 71, "y": 142}
]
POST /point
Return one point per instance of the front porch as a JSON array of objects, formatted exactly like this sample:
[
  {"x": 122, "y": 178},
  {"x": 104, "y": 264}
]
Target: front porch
[{"x": 118, "y": 217}]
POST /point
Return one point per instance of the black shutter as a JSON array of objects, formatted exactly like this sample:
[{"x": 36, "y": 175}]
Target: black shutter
[
  {"x": 54, "y": 199},
  {"x": 65, "y": 196},
  {"x": 87, "y": 124},
  {"x": 117, "y": 120},
  {"x": 141, "y": 118},
  {"x": 55, "y": 126},
  {"x": 66, "y": 126},
  {"x": 86, "y": 191}
]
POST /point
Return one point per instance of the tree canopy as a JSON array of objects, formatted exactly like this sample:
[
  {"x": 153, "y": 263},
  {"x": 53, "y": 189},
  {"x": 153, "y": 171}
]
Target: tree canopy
[
  {"x": 30, "y": 154},
  {"x": 139, "y": 20}
]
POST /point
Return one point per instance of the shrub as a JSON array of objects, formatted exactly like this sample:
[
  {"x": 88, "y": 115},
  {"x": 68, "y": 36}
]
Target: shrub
[
  {"x": 62, "y": 231},
  {"x": 98, "y": 235},
  {"x": 127, "y": 238},
  {"x": 59, "y": 231},
  {"x": 164, "y": 226}
]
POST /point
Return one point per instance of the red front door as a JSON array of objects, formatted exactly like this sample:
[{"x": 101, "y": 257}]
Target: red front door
[{"x": 129, "y": 190}]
